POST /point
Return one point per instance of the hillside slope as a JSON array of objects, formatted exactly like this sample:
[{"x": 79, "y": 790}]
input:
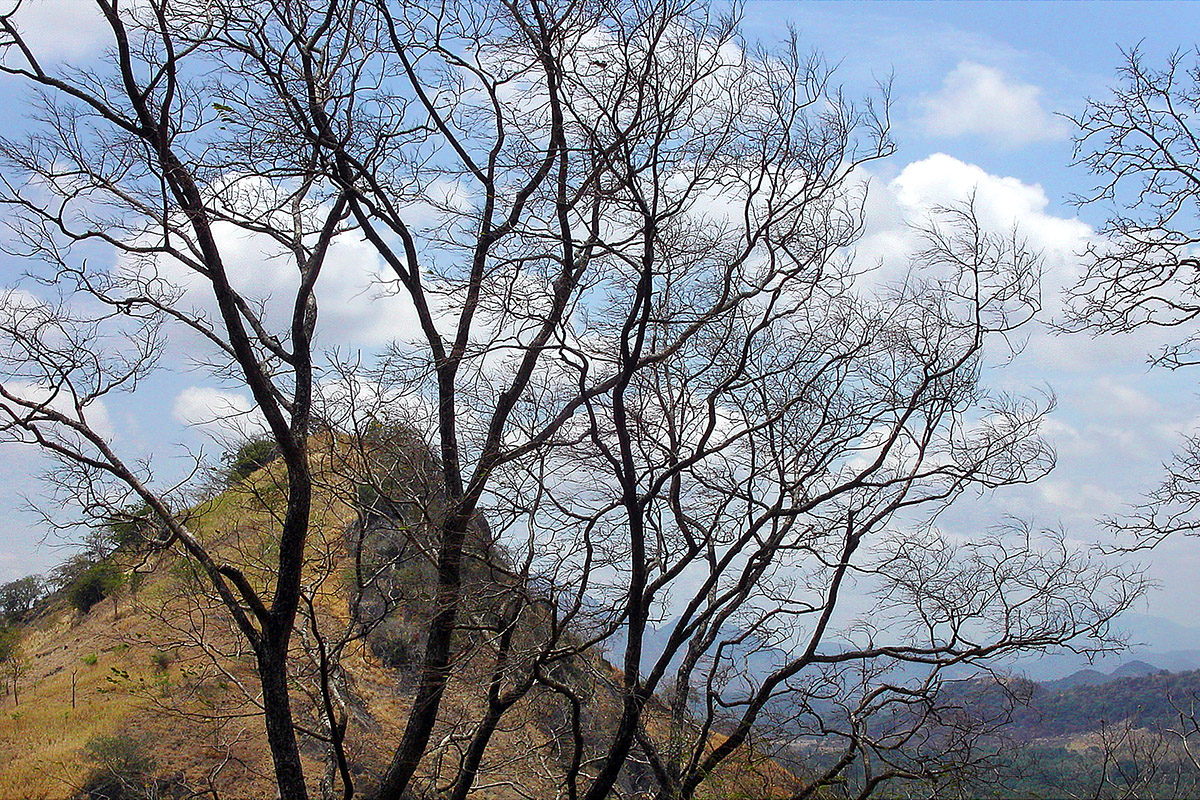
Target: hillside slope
[{"x": 157, "y": 673}]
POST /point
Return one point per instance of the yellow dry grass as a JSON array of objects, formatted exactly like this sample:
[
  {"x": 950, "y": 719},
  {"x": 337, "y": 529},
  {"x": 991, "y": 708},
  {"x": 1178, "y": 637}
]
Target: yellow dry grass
[
  {"x": 41, "y": 734},
  {"x": 120, "y": 690}
]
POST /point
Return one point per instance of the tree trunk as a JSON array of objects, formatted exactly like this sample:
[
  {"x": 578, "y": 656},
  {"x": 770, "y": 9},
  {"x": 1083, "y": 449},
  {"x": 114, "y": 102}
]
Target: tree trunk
[
  {"x": 285, "y": 752},
  {"x": 436, "y": 670}
]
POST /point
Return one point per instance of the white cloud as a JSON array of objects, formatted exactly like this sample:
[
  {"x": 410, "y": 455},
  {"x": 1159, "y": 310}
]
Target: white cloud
[
  {"x": 59, "y": 28},
  {"x": 1001, "y": 203},
  {"x": 220, "y": 414},
  {"x": 1068, "y": 495},
  {"x": 976, "y": 100},
  {"x": 353, "y": 310},
  {"x": 1123, "y": 400}
]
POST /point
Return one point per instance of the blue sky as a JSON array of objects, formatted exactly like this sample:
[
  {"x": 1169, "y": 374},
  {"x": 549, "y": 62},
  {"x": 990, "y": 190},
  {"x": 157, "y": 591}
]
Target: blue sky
[
  {"x": 979, "y": 84},
  {"x": 977, "y": 92}
]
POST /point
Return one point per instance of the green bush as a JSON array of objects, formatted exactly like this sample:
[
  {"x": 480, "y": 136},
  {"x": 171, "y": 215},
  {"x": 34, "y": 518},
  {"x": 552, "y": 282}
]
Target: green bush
[
  {"x": 96, "y": 583},
  {"x": 66, "y": 574},
  {"x": 162, "y": 659},
  {"x": 131, "y": 528},
  {"x": 395, "y": 645},
  {"x": 10, "y": 641},
  {"x": 251, "y": 456},
  {"x": 123, "y": 769}
]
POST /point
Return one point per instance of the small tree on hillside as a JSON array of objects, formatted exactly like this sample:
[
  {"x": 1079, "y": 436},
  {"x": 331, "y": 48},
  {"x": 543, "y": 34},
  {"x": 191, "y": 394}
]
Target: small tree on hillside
[
  {"x": 12, "y": 658},
  {"x": 97, "y": 582},
  {"x": 17, "y": 598},
  {"x": 131, "y": 528}
]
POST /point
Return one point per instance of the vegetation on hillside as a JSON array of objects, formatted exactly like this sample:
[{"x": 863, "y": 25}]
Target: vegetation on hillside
[{"x": 111, "y": 713}]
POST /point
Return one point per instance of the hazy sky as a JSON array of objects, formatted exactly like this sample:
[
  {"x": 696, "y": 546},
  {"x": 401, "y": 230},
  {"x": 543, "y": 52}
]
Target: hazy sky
[{"x": 978, "y": 91}]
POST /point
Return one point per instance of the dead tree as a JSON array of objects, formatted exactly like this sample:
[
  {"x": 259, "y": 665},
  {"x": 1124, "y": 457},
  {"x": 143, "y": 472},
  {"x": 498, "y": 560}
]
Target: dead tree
[
  {"x": 125, "y": 159},
  {"x": 646, "y": 373}
]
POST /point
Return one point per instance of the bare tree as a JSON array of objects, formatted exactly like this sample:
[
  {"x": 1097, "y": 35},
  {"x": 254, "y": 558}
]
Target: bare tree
[
  {"x": 647, "y": 380},
  {"x": 13, "y": 659},
  {"x": 1141, "y": 143},
  {"x": 138, "y": 172}
]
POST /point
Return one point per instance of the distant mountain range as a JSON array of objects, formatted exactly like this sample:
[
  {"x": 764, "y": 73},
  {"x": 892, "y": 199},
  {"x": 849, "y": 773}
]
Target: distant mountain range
[
  {"x": 1156, "y": 641},
  {"x": 1094, "y": 677}
]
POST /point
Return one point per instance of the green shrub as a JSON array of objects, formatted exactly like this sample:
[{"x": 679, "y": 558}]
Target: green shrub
[
  {"x": 96, "y": 583},
  {"x": 251, "y": 456},
  {"x": 66, "y": 574},
  {"x": 10, "y": 640},
  {"x": 123, "y": 769},
  {"x": 396, "y": 645},
  {"x": 366, "y": 496},
  {"x": 90, "y": 659},
  {"x": 162, "y": 659},
  {"x": 131, "y": 528}
]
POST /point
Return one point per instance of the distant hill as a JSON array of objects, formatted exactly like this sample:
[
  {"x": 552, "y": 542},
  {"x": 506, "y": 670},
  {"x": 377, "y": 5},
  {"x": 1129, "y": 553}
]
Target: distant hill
[
  {"x": 1094, "y": 677},
  {"x": 1085, "y": 702},
  {"x": 1152, "y": 700},
  {"x": 1106, "y": 739},
  {"x": 1155, "y": 640}
]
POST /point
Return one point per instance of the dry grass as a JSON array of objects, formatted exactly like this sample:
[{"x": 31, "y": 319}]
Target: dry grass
[
  {"x": 42, "y": 737},
  {"x": 201, "y": 729}
]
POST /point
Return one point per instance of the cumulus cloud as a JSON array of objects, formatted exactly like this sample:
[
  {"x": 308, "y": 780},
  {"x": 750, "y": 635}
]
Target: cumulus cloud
[
  {"x": 1114, "y": 423},
  {"x": 354, "y": 311},
  {"x": 976, "y": 100},
  {"x": 221, "y": 414},
  {"x": 1001, "y": 203}
]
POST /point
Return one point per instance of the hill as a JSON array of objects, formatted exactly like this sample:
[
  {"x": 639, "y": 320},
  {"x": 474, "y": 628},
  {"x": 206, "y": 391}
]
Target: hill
[
  {"x": 153, "y": 693},
  {"x": 1145, "y": 701},
  {"x": 1135, "y": 696},
  {"x": 1116, "y": 735},
  {"x": 1094, "y": 677}
]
